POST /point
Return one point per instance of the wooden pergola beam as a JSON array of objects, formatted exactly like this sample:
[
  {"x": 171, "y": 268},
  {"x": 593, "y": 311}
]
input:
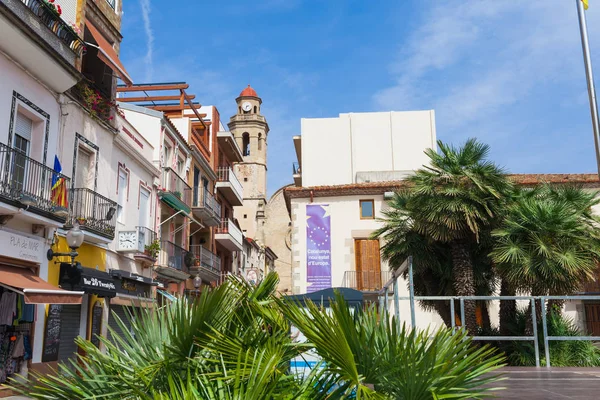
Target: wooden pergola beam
[
  {"x": 151, "y": 98},
  {"x": 172, "y": 107},
  {"x": 150, "y": 88}
]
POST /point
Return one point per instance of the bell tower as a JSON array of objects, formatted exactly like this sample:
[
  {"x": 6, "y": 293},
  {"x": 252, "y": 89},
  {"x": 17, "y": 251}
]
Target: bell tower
[{"x": 250, "y": 130}]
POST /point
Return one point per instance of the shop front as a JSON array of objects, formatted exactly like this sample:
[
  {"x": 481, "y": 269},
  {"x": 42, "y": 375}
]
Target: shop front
[
  {"x": 133, "y": 291},
  {"x": 96, "y": 285},
  {"x": 23, "y": 296}
]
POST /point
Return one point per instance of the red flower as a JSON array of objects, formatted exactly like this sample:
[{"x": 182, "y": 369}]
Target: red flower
[{"x": 51, "y": 1}]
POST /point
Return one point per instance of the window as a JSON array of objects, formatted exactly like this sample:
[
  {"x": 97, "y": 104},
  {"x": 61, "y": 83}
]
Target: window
[
  {"x": 367, "y": 209},
  {"x": 167, "y": 155},
  {"x": 122, "y": 189},
  {"x": 260, "y": 141},
  {"x": 84, "y": 159},
  {"x": 144, "y": 206},
  {"x": 180, "y": 167},
  {"x": 22, "y": 138},
  {"x": 254, "y": 109},
  {"x": 246, "y": 143},
  {"x": 245, "y": 216},
  {"x": 245, "y": 179}
]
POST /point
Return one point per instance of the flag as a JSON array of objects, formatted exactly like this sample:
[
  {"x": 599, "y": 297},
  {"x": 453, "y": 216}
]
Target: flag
[
  {"x": 585, "y": 4},
  {"x": 59, "y": 187}
]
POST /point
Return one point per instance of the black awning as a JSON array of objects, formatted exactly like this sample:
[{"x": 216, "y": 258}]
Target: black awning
[
  {"x": 120, "y": 274},
  {"x": 89, "y": 280},
  {"x": 323, "y": 297}
]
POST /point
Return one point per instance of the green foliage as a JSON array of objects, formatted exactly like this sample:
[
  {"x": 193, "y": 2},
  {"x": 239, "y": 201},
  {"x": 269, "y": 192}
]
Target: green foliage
[
  {"x": 153, "y": 248},
  {"x": 233, "y": 343},
  {"x": 548, "y": 242}
]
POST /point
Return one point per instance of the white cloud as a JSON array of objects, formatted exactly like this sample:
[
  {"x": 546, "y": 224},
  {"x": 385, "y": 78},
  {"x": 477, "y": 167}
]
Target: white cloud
[
  {"x": 146, "y": 9},
  {"x": 470, "y": 60}
]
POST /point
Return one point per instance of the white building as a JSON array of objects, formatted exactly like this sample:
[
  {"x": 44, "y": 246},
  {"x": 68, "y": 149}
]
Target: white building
[
  {"x": 344, "y": 173},
  {"x": 362, "y": 147}
]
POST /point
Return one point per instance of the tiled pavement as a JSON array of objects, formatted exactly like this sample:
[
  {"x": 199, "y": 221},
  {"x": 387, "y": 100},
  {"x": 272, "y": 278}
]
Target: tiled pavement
[{"x": 550, "y": 384}]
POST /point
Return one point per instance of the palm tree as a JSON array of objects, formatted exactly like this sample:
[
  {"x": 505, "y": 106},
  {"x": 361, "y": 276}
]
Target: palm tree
[
  {"x": 234, "y": 343},
  {"x": 455, "y": 201},
  {"x": 548, "y": 244}
]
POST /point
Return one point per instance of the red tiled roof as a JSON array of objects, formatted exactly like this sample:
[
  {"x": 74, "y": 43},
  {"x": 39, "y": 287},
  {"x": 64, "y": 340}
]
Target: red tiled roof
[
  {"x": 248, "y": 92},
  {"x": 588, "y": 180}
]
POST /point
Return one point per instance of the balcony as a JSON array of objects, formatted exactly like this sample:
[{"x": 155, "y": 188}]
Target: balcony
[
  {"x": 94, "y": 212},
  {"x": 229, "y": 186},
  {"x": 229, "y": 235},
  {"x": 26, "y": 183},
  {"x": 366, "y": 281},
  {"x": 205, "y": 207},
  {"x": 96, "y": 100},
  {"x": 139, "y": 242},
  {"x": 171, "y": 263},
  {"x": 36, "y": 37},
  {"x": 229, "y": 146},
  {"x": 175, "y": 191},
  {"x": 297, "y": 174},
  {"x": 205, "y": 263}
]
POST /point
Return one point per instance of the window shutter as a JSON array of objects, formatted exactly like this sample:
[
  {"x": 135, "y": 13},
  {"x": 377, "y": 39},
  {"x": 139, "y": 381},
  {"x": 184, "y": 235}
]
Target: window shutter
[{"x": 23, "y": 126}]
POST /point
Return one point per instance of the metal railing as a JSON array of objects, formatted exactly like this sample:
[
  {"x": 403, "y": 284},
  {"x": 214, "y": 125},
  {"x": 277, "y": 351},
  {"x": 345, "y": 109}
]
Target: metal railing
[
  {"x": 203, "y": 199},
  {"x": 172, "y": 255},
  {"x": 225, "y": 174},
  {"x": 146, "y": 235},
  {"x": 93, "y": 211},
  {"x": 28, "y": 181},
  {"x": 227, "y": 226},
  {"x": 205, "y": 258},
  {"x": 295, "y": 168},
  {"x": 50, "y": 18},
  {"x": 174, "y": 184},
  {"x": 365, "y": 280},
  {"x": 384, "y": 302}
]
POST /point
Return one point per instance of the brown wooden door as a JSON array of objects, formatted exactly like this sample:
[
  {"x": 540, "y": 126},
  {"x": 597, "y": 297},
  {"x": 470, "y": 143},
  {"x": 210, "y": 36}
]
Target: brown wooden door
[
  {"x": 368, "y": 264},
  {"x": 592, "y": 317}
]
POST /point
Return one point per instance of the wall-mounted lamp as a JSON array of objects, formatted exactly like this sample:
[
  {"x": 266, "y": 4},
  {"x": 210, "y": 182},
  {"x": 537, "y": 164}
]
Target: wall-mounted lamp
[
  {"x": 197, "y": 283},
  {"x": 75, "y": 238}
]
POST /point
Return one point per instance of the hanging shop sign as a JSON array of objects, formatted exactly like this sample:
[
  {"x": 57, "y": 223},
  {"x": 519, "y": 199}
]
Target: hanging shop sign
[
  {"x": 91, "y": 281},
  {"x": 22, "y": 247}
]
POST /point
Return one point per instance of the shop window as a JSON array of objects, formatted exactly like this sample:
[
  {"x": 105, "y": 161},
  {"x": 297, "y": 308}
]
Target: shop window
[{"x": 367, "y": 209}]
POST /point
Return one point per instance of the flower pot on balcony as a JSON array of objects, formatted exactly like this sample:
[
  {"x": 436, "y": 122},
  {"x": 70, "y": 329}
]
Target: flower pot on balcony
[{"x": 196, "y": 263}]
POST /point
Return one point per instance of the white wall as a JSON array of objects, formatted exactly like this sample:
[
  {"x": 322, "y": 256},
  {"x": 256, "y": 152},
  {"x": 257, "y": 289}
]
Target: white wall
[
  {"x": 346, "y": 226},
  {"x": 15, "y": 79},
  {"x": 149, "y": 126},
  {"x": 335, "y": 149}
]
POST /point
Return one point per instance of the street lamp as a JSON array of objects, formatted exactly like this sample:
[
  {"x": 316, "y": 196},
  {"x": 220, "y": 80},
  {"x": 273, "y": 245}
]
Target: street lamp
[
  {"x": 75, "y": 238},
  {"x": 197, "y": 283}
]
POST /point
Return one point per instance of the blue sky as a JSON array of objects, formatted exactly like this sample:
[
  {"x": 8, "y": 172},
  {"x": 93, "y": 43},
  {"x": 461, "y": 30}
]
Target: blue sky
[{"x": 509, "y": 72}]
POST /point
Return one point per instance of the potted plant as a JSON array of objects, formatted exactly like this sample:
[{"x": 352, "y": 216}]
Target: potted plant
[
  {"x": 152, "y": 249},
  {"x": 177, "y": 194},
  {"x": 196, "y": 262},
  {"x": 188, "y": 259}
]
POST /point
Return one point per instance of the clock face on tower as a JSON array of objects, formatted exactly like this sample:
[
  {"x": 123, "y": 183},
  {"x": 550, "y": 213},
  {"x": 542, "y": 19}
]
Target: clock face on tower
[{"x": 246, "y": 106}]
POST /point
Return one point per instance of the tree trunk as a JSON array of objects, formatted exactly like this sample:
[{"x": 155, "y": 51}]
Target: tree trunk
[
  {"x": 508, "y": 308},
  {"x": 538, "y": 312},
  {"x": 485, "y": 315},
  {"x": 555, "y": 305},
  {"x": 464, "y": 282}
]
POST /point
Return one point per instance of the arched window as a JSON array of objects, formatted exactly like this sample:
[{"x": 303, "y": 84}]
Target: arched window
[
  {"x": 240, "y": 108},
  {"x": 260, "y": 141},
  {"x": 254, "y": 109},
  {"x": 246, "y": 143}
]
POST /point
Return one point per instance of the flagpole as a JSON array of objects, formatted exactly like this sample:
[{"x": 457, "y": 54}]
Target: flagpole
[{"x": 587, "y": 61}]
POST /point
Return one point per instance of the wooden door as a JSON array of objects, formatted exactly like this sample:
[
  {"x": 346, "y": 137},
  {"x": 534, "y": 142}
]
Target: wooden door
[
  {"x": 368, "y": 264},
  {"x": 592, "y": 317}
]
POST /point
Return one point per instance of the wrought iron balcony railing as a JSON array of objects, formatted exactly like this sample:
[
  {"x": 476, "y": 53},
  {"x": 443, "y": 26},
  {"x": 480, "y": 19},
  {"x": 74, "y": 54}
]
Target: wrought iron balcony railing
[
  {"x": 205, "y": 258},
  {"x": 146, "y": 235},
  {"x": 29, "y": 182},
  {"x": 366, "y": 280},
  {"x": 175, "y": 185},
  {"x": 50, "y": 18},
  {"x": 94, "y": 212},
  {"x": 171, "y": 255},
  {"x": 203, "y": 199}
]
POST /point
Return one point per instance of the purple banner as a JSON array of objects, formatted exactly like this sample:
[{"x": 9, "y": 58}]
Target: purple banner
[{"x": 318, "y": 247}]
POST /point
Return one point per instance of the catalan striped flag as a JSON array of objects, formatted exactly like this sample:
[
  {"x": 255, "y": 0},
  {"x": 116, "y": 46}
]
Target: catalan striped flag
[
  {"x": 59, "y": 186},
  {"x": 585, "y": 4}
]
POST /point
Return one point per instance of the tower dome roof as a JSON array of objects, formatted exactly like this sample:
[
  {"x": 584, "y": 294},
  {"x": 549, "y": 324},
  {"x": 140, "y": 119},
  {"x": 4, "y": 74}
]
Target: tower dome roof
[{"x": 248, "y": 92}]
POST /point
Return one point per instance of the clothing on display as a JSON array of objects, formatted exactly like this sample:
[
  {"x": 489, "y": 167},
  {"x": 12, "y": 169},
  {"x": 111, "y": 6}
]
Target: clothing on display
[{"x": 15, "y": 328}]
